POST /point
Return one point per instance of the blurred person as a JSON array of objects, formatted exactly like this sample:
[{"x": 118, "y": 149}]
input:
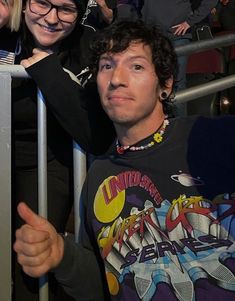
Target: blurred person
[
  {"x": 10, "y": 16},
  {"x": 128, "y": 10},
  {"x": 176, "y": 18},
  {"x": 99, "y": 14},
  {"x": 226, "y": 14}
]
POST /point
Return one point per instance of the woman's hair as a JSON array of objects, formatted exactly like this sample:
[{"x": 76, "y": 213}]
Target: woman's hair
[{"x": 15, "y": 15}]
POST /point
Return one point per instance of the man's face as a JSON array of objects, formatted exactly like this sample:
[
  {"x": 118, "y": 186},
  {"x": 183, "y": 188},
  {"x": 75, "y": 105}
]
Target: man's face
[
  {"x": 129, "y": 87},
  {"x": 5, "y": 9},
  {"x": 48, "y": 30}
]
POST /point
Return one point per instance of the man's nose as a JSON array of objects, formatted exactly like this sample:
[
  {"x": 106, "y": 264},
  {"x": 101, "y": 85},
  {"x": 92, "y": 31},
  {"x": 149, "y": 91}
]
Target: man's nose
[{"x": 119, "y": 77}]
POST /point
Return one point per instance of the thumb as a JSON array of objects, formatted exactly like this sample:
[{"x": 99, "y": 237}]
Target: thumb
[
  {"x": 44, "y": 51},
  {"x": 31, "y": 218}
]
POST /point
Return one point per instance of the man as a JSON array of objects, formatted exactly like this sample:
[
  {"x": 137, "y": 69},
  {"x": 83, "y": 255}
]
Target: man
[{"x": 158, "y": 209}]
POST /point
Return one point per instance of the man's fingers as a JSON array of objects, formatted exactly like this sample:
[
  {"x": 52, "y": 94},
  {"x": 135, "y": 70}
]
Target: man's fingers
[
  {"x": 36, "y": 271},
  {"x": 34, "y": 261},
  {"x": 30, "y": 235},
  {"x": 31, "y": 246}
]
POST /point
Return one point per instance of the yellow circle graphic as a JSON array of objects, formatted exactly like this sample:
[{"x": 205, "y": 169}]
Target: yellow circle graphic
[{"x": 109, "y": 200}]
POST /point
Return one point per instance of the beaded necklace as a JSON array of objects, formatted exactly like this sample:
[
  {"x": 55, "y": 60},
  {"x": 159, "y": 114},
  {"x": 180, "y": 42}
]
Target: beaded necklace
[{"x": 157, "y": 138}]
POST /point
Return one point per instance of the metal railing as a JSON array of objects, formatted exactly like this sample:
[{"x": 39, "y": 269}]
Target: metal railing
[
  {"x": 199, "y": 46},
  {"x": 8, "y": 71},
  {"x": 5, "y": 186}
]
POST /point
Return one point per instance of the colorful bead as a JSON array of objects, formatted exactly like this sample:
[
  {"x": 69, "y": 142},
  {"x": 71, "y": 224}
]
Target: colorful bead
[{"x": 157, "y": 137}]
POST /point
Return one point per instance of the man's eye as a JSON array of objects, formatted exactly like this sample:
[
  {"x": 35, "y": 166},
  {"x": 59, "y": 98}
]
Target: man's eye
[
  {"x": 105, "y": 67},
  {"x": 137, "y": 67}
]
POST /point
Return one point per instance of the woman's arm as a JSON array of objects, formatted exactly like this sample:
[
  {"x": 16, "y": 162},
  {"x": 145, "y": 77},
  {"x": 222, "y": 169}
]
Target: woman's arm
[{"x": 78, "y": 109}]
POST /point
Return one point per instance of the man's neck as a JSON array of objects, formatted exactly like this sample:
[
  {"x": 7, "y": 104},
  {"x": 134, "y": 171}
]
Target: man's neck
[{"x": 131, "y": 134}]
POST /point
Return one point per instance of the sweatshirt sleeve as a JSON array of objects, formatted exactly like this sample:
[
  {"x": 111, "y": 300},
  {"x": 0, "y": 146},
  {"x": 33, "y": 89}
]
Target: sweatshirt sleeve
[
  {"x": 79, "y": 273},
  {"x": 201, "y": 12},
  {"x": 77, "y": 109}
]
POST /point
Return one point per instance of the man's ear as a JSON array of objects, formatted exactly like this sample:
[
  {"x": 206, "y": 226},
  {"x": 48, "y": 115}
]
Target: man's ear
[
  {"x": 169, "y": 85},
  {"x": 166, "y": 90}
]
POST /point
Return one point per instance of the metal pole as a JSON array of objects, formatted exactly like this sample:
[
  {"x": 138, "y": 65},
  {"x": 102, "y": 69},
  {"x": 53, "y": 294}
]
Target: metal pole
[
  {"x": 14, "y": 70},
  {"x": 199, "y": 46},
  {"x": 42, "y": 180},
  {"x": 204, "y": 89},
  {"x": 5, "y": 182},
  {"x": 79, "y": 167}
]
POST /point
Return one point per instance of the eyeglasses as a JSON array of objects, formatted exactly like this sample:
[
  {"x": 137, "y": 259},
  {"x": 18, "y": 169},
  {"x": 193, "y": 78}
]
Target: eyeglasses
[{"x": 66, "y": 14}]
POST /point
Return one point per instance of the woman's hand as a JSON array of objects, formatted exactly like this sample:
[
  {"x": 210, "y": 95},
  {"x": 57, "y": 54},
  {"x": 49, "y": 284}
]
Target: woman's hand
[{"x": 37, "y": 56}]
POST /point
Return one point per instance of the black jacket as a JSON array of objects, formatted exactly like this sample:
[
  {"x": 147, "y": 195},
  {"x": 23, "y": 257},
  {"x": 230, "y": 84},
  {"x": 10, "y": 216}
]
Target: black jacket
[{"x": 78, "y": 109}]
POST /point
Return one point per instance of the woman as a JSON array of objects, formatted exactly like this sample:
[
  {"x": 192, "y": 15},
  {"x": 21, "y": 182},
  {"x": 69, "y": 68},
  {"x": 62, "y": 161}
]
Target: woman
[
  {"x": 10, "y": 15},
  {"x": 54, "y": 27}
]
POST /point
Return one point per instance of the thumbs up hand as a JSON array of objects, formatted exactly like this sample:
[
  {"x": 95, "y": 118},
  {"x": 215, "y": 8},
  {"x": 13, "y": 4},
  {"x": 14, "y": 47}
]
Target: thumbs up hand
[{"x": 38, "y": 246}]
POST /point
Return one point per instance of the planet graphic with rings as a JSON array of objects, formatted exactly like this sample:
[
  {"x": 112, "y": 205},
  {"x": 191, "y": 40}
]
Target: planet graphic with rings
[{"x": 187, "y": 180}]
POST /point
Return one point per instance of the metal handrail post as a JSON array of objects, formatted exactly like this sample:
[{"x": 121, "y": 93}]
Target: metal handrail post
[
  {"x": 199, "y": 46},
  {"x": 42, "y": 180},
  {"x": 5, "y": 181},
  {"x": 79, "y": 172},
  {"x": 204, "y": 89}
]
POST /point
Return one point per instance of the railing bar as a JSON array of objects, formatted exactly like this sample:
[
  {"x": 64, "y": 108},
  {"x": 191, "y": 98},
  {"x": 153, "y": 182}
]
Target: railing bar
[
  {"x": 42, "y": 179},
  {"x": 5, "y": 180},
  {"x": 204, "y": 89},
  {"x": 79, "y": 159},
  {"x": 199, "y": 46}
]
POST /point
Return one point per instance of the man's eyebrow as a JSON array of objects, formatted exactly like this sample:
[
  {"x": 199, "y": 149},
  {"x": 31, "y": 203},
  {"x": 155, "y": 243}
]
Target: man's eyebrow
[
  {"x": 105, "y": 57},
  {"x": 110, "y": 57}
]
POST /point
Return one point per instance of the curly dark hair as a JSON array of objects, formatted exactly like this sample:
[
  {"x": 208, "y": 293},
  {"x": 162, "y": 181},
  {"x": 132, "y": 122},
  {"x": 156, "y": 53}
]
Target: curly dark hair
[{"x": 117, "y": 38}]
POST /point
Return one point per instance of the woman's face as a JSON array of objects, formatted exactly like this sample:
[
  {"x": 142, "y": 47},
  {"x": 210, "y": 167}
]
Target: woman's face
[
  {"x": 5, "y": 9},
  {"x": 50, "y": 21}
]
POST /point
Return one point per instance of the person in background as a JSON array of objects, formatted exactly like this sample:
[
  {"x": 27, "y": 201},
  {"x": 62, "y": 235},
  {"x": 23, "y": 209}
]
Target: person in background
[
  {"x": 226, "y": 14},
  {"x": 99, "y": 14},
  {"x": 54, "y": 27},
  {"x": 10, "y": 16},
  {"x": 158, "y": 209},
  {"x": 176, "y": 18},
  {"x": 128, "y": 10}
]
